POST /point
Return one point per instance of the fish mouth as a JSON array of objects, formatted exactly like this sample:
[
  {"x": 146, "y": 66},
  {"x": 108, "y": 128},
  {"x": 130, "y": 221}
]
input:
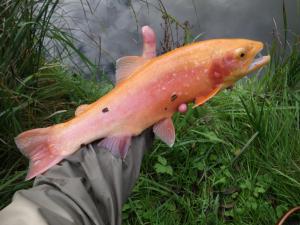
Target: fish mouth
[{"x": 258, "y": 62}]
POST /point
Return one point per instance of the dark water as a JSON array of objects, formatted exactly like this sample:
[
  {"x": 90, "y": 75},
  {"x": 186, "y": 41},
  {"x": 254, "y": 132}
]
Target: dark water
[{"x": 108, "y": 29}]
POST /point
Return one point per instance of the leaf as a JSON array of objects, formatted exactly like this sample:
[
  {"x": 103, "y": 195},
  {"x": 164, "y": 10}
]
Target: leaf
[
  {"x": 171, "y": 207},
  {"x": 229, "y": 213},
  {"x": 246, "y": 185},
  {"x": 147, "y": 215},
  {"x": 126, "y": 207},
  {"x": 199, "y": 165},
  {"x": 159, "y": 168},
  {"x": 258, "y": 190},
  {"x": 222, "y": 180},
  {"x": 254, "y": 205},
  {"x": 162, "y": 160}
]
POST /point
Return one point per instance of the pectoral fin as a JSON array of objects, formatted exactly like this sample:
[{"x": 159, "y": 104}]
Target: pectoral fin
[
  {"x": 125, "y": 66},
  {"x": 165, "y": 131},
  {"x": 200, "y": 100},
  {"x": 80, "y": 109}
]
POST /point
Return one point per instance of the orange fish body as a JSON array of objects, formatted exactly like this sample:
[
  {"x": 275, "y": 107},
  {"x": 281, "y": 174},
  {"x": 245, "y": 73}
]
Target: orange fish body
[{"x": 149, "y": 93}]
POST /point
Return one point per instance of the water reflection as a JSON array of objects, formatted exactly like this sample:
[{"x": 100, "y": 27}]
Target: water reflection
[{"x": 108, "y": 29}]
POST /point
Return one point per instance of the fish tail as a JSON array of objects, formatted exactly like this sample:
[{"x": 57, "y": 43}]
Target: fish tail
[{"x": 40, "y": 146}]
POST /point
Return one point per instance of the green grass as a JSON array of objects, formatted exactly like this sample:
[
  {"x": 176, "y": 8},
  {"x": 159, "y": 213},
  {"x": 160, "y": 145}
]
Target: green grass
[
  {"x": 33, "y": 93},
  {"x": 236, "y": 159},
  {"x": 49, "y": 96}
]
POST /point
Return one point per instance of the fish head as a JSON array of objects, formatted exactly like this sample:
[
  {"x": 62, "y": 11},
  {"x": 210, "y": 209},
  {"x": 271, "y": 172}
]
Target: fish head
[{"x": 233, "y": 59}]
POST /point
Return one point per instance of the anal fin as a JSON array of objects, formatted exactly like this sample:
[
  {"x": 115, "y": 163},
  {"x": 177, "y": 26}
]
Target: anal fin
[
  {"x": 118, "y": 146},
  {"x": 165, "y": 131}
]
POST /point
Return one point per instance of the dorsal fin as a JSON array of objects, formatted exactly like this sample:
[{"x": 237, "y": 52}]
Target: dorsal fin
[{"x": 126, "y": 65}]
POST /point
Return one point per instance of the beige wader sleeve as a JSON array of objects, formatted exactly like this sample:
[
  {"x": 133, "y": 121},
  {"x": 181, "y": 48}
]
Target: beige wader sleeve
[{"x": 87, "y": 188}]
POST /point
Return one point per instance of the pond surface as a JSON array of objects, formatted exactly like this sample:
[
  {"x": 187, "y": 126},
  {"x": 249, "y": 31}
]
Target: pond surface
[{"x": 108, "y": 29}]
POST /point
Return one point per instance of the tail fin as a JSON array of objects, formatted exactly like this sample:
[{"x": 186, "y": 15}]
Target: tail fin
[{"x": 38, "y": 146}]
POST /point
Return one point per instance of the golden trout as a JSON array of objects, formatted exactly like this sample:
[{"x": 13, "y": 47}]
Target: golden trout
[{"x": 148, "y": 92}]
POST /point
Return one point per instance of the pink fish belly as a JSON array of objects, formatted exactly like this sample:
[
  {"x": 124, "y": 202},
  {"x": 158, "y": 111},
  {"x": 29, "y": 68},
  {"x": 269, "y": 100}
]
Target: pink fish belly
[{"x": 129, "y": 109}]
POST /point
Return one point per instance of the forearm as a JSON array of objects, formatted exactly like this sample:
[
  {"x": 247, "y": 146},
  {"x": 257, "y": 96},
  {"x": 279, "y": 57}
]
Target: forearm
[{"x": 89, "y": 187}]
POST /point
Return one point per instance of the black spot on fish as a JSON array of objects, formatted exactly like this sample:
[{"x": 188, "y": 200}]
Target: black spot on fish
[
  {"x": 166, "y": 108},
  {"x": 173, "y": 97},
  {"x": 105, "y": 110}
]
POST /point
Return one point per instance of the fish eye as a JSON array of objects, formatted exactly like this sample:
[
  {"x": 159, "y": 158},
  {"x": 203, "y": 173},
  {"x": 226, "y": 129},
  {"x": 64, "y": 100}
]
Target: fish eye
[{"x": 240, "y": 52}]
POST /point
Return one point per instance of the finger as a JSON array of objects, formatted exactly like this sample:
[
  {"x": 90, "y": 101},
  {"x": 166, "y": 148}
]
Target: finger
[
  {"x": 149, "y": 40},
  {"x": 182, "y": 108}
]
